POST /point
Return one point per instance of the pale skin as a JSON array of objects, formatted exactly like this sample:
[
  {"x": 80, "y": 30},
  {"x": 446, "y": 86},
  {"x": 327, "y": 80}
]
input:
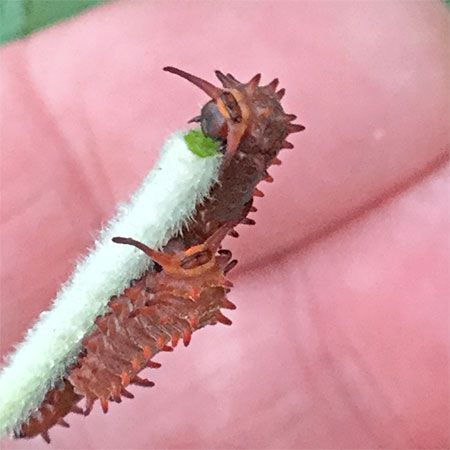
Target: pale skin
[{"x": 340, "y": 339}]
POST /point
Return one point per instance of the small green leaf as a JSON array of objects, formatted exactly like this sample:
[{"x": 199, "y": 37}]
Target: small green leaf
[{"x": 200, "y": 144}]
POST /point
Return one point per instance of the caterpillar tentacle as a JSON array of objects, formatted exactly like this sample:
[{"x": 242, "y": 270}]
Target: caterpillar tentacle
[{"x": 166, "y": 306}]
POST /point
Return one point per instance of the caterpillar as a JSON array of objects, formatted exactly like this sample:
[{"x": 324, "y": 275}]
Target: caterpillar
[{"x": 187, "y": 288}]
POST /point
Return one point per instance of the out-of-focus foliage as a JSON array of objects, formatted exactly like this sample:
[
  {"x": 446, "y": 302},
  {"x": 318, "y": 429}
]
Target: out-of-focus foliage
[{"x": 21, "y": 17}]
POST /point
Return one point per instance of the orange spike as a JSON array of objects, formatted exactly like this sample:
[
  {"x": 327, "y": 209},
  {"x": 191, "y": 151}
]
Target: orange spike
[
  {"x": 63, "y": 423},
  {"x": 225, "y": 252},
  {"x": 225, "y": 303},
  {"x": 276, "y": 161},
  {"x": 76, "y": 409},
  {"x": 227, "y": 283},
  {"x": 104, "y": 403},
  {"x": 186, "y": 336},
  {"x": 221, "y": 318},
  {"x": 286, "y": 144},
  {"x": 167, "y": 348},
  {"x": 230, "y": 266},
  {"x": 142, "y": 382},
  {"x": 45, "y": 436},
  {"x": 226, "y": 81},
  {"x": 211, "y": 90},
  {"x": 126, "y": 393},
  {"x": 273, "y": 84},
  {"x": 280, "y": 94},
  {"x": 253, "y": 83},
  {"x": 294, "y": 128},
  {"x": 258, "y": 193},
  {"x": 175, "y": 338},
  {"x": 153, "y": 364},
  {"x": 231, "y": 77},
  {"x": 268, "y": 178}
]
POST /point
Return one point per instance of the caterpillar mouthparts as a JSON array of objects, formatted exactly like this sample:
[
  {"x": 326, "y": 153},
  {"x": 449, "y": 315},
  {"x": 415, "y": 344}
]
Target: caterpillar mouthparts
[{"x": 188, "y": 288}]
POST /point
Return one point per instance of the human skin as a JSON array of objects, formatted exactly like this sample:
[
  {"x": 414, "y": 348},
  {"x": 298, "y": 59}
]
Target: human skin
[{"x": 340, "y": 339}]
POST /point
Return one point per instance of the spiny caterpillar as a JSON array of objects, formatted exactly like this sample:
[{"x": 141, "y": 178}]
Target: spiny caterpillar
[{"x": 187, "y": 289}]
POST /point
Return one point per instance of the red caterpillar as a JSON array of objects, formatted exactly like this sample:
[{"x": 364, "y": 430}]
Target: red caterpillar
[{"x": 189, "y": 291}]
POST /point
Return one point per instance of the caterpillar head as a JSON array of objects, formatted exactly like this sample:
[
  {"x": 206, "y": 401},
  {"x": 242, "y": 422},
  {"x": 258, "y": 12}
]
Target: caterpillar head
[
  {"x": 240, "y": 109},
  {"x": 192, "y": 262}
]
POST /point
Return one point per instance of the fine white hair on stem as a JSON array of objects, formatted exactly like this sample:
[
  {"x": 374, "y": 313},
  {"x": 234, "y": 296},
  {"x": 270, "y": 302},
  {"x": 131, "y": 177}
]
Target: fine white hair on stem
[{"x": 165, "y": 201}]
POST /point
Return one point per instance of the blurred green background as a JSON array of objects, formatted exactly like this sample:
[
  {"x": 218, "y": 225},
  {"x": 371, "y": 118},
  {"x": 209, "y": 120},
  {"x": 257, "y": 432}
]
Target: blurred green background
[{"x": 21, "y": 17}]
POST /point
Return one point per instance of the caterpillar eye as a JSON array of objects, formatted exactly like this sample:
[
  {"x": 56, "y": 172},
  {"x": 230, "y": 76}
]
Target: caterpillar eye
[{"x": 213, "y": 123}]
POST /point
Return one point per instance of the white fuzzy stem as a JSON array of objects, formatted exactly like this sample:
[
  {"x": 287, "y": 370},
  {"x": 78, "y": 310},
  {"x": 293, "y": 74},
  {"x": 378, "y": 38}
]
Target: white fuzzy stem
[{"x": 165, "y": 201}]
